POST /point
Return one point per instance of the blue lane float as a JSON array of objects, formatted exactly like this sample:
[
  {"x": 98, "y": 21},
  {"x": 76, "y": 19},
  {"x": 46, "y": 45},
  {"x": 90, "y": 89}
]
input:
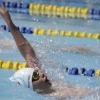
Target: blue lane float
[
  {"x": 90, "y": 73},
  {"x": 2, "y": 2},
  {"x": 7, "y": 4},
  {"x": 25, "y": 6},
  {"x": 81, "y": 71},
  {"x": 94, "y": 11},
  {"x": 3, "y": 27},
  {"x": 22, "y": 29},
  {"x": 19, "y": 5},
  {"x": 29, "y": 30},
  {"x": 73, "y": 71},
  {"x": 15, "y": 5}
]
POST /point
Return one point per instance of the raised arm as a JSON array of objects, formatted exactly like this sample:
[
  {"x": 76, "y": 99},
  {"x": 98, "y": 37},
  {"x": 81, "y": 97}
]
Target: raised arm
[{"x": 22, "y": 44}]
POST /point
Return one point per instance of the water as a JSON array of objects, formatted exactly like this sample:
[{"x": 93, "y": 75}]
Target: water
[{"x": 52, "y": 52}]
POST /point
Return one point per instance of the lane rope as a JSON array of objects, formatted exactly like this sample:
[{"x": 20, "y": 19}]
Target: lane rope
[
  {"x": 73, "y": 71},
  {"x": 51, "y": 32},
  {"x": 54, "y": 10}
]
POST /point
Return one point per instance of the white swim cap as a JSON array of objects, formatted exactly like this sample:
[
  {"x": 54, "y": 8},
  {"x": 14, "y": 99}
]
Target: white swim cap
[{"x": 24, "y": 77}]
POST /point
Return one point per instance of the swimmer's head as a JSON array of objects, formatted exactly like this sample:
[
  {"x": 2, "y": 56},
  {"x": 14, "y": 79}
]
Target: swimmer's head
[
  {"x": 31, "y": 78},
  {"x": 23, "y": 77}
]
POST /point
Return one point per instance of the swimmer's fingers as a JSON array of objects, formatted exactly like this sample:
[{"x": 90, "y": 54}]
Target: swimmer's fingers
[
  {"x": 3, "y": 10},
  {"x": 43, "y": 79}
]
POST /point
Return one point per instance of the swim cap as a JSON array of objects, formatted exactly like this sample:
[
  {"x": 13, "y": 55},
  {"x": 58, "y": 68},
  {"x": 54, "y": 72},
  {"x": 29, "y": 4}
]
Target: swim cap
[{"x": 23, "y": 77}]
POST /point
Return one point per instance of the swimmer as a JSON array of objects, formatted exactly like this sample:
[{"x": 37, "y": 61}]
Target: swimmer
[{"x": 32, "y": 77}]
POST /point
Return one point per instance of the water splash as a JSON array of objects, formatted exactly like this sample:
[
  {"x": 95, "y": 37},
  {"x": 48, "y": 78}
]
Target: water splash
[{"x": 52, "y": 56}]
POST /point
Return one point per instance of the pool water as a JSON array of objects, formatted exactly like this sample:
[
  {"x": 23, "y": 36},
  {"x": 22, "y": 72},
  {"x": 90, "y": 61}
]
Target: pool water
[{"x": 51, "y": 51}]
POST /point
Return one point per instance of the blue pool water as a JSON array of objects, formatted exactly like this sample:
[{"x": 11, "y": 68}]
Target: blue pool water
[{"x": 51, "y": 51}]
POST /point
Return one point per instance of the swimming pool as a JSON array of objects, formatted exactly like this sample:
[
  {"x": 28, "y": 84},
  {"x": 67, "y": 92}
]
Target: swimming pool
[{"x": 55, "y": 49}]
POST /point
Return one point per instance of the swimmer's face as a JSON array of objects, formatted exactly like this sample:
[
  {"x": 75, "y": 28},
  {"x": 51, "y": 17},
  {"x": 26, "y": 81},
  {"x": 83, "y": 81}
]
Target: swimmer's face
[{"x": 42, "y": 82}]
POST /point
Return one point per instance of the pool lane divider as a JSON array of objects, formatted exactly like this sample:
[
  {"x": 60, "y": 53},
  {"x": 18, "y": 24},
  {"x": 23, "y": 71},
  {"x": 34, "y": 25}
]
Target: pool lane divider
[
  {"x": 44, "y": 7},
  {"x": 73, "y": 71},
  {"x": 51, "y": 32},
  {"x": 50, "y": 8},
  {"x": 10, "y": 65}
]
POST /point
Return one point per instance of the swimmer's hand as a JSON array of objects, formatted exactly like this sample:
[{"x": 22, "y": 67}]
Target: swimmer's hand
[
  {"x": 4, "y": 13},
  {"x": 3, "y": 10}
]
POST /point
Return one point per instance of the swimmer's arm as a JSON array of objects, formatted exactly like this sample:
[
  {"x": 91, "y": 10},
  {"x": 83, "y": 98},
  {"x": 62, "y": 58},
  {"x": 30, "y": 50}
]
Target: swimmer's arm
[{"x": 22, "y": 44}]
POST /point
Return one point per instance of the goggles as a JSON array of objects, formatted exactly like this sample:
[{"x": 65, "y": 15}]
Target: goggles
[{"x": 35, "y": 76}]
